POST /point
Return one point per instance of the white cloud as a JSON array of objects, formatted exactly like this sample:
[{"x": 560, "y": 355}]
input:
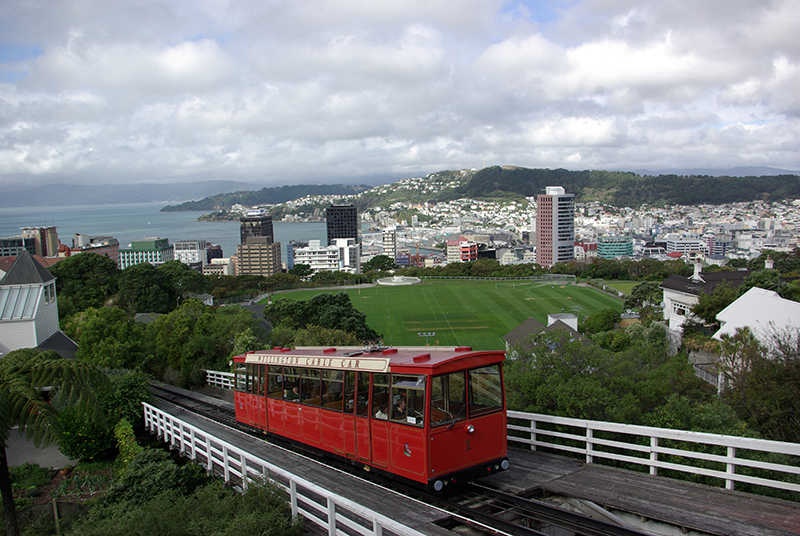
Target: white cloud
[{"x": 307, "y": 90}]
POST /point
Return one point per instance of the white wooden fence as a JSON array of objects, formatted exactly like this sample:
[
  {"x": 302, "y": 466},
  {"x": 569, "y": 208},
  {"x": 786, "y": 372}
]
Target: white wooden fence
[
  {"x": 332, "y": 512},
  {"x": 661, "y": 448},
  {"x": 216, "y": 378},
  {"x": 656, "y": 448}
]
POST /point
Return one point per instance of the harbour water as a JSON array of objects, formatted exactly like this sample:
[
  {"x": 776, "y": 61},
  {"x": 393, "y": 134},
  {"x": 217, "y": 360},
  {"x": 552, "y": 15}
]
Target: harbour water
[{"x": 129, "y": 222}]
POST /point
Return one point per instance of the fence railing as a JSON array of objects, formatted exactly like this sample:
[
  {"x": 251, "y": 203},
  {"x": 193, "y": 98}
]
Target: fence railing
[
  {"x": 333, "y": 513},
  {"x": 745, "y": 460},
  {"x": 657, "y": 448},
  {"x": 216, "y": 378}
]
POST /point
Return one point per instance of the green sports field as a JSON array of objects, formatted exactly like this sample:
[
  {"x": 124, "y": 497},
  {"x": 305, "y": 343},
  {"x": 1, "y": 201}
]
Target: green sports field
[{"x": 464, "y": 313}]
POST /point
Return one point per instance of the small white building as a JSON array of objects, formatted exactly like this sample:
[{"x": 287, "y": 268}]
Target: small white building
[
  {"x": 28, "y": 307},
  {"x": 343, "y": 255}
]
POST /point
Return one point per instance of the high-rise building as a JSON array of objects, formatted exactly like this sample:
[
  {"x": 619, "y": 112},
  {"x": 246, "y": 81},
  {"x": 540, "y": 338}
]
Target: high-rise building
[
  {"x": 555, "y": 226},
  {"x": 45, "y": 238},
  {"x": 259, "y": 256},
  {"x": 389, "y": 241},
  {"x": 342, "y": 223},
  {"x": 256, "y": 223}
]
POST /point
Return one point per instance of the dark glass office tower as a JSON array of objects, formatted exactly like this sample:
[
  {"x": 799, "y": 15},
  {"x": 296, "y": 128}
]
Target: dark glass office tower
[
  {"x": 342, "y": 222},
  {"x": 256, "y": 223}
]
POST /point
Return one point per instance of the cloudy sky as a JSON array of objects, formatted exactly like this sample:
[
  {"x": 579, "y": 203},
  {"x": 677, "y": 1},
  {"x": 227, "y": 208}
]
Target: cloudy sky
[{"x": 288, "y": 91}]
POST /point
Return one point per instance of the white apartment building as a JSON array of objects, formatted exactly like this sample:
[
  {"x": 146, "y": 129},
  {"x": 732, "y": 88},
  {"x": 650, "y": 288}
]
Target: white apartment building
[
  {"x": 684, "y": 243},
  {"x": 344, "y": 255},
  {"x": 390, "y": 241},
  {"x": 191, "y": 252}
]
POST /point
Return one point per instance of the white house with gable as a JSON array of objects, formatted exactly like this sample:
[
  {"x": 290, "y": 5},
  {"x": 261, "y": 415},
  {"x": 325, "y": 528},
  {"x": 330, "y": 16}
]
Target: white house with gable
[{"x": 28, "y": 308}]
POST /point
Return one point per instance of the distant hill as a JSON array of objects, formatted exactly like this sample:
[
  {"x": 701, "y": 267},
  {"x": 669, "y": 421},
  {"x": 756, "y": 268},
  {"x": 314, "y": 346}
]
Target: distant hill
[
  {"x": 752, "y": 171},
  {"x": 629, "y": 189},
  {"x": 268, "y": 196},
  {"x": 113, "y": 194}
]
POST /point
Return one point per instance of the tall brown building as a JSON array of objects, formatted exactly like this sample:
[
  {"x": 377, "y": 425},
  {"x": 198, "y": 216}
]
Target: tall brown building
[{"x": 555, "y": 226}]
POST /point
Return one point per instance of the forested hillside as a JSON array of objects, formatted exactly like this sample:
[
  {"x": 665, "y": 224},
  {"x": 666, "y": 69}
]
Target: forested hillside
[
  {"x": 266, "y": 196},
  {"x": 629, "y": 189}
]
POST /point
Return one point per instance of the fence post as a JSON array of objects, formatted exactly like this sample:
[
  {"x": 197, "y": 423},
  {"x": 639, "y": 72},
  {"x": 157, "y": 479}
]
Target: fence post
[
  {"x": 653, "y": 455},
  {"x": 293, "y": 497},
  {"x": 225, "y": 467},
  {"x": 589, "y": 445},
  {"x": 730, "y": 467},
  {"x": 533, "y": 434},
  {"x": 331, "y": 517}
]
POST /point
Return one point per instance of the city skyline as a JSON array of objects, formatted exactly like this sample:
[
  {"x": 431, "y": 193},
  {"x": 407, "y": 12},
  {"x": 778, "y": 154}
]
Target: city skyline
[{"x": 288, "y": 92}]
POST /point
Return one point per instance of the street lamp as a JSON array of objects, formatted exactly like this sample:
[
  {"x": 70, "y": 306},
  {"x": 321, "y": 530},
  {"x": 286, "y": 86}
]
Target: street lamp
[{"x": 427, "y": 335}]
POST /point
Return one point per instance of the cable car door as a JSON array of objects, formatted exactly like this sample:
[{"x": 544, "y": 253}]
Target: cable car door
[{"x": 363, "y": 447}]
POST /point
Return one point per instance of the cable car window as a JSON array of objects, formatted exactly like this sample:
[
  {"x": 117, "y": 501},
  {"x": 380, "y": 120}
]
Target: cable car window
[
  {"x": 332, "y": 383},
  {"x": 348, "y": 399},
  {"x": 255, "y": 380},
  {"x": 408, "y": 399},
  {"x": 275, "y": 382},
  {"x": 241, "y": 376},
  {"x": 380, "y": 396},
  {"x": 291, "y": 383},
  {"x": 310, "y": 387},
  {"x": 448, "y": 398},
  {"x": 485, "y": 390},
  {"x": 362, "y": 395}
]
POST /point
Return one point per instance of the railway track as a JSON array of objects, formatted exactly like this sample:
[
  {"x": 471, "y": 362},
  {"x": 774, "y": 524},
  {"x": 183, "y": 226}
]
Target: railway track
[{"x": 475, "y": 509}]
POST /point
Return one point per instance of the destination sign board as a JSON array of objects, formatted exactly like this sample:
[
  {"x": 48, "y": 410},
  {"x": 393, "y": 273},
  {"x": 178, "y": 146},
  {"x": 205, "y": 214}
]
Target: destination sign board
[{"x": 361, "y": 363}]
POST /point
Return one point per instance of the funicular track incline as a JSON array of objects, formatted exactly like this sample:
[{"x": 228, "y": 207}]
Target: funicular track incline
[{"x": 482, "y": 509}]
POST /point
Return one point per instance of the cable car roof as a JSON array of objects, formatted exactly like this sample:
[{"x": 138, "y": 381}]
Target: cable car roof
[{"x": 361, "y": 358}]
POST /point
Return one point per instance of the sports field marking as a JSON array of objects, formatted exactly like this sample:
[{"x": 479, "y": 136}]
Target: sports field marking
[{"x": 445, "y": 318}]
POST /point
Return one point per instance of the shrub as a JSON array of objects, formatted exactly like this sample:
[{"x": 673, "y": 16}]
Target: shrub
[{"x": 82, "y": 438}]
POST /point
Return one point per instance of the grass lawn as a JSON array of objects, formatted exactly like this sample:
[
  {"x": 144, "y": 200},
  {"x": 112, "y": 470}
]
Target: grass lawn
[{"x": 464, "y": 313}]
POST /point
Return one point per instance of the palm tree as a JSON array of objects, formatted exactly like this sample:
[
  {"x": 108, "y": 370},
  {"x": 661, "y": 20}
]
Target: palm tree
[{"x": 23, "y": 374}]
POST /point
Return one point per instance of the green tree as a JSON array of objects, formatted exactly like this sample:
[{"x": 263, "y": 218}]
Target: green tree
[
  {"x": 763, "y": 382},
  {"x": 301, "y": 270},
  {"x": 708, "y": 306},
  {"x": 182, "y": 278},
  {"x": 246, "y": 341},
  {"x": 644, "y": 294},
  {"x": 23, "y": 373},
  {"x": 331, "y": 311},
  {"x": 379, "y": 263},
  {"x": 84, "y": 280},
  {"x": 313, "y": 335},
  {"x": 143, "y": 289},
  {"x": 108, "y": 337},
  {"x": 195, "y": 337},
  {"x": 601, "y": 321}
]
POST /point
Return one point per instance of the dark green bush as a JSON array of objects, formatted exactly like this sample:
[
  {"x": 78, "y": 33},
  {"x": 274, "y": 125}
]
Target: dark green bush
[{"x": 83, "y": 438}]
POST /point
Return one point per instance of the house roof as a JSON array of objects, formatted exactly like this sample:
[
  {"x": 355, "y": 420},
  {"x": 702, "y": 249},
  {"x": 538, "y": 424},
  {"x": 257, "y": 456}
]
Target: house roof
[
  {"x": 522, "y": 335},
  {"x": 763, "y": 311},
  {"x": 26, "y": 271},
  {"x": 62, "y": 344},
  {"x": 706, "y": 283}
]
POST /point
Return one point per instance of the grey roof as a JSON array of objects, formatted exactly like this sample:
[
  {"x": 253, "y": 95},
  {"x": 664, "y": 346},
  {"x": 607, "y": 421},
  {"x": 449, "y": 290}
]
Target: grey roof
[
  {"x": 522, "y": 335},
  {"x": 62, "y": 344},
  {"x": 26, "y": 271},
  {"x": 706, "y": 286}
]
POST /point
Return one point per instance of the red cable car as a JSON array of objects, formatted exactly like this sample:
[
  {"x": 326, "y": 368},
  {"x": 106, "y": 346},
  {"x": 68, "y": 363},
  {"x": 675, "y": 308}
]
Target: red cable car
[{"x": 433, "y": 416}]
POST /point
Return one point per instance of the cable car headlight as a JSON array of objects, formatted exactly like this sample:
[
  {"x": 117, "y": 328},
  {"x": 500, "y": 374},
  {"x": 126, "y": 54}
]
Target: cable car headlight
[{"x": 470, "y": 428}]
